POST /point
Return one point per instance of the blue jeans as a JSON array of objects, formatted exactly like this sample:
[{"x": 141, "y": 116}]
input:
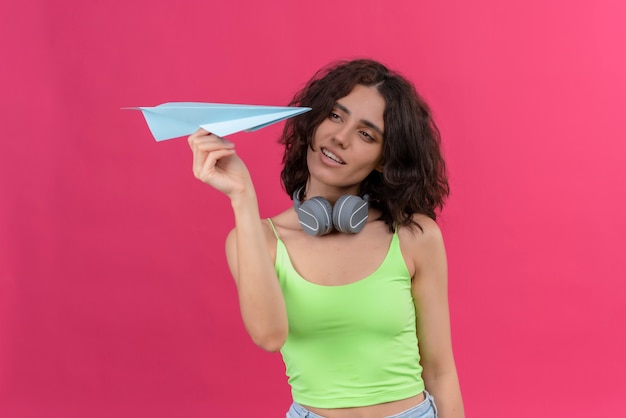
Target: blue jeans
[{"x": 426, "y": 409}]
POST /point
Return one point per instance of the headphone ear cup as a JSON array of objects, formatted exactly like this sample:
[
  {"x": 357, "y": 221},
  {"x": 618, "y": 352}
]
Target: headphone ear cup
[
  {"x": 350, "y": 213},
  {"x": 315, "y": 216}
]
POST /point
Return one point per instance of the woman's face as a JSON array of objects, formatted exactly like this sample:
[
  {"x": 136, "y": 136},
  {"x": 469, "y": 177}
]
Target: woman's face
[{"x": 348, "y": 144}]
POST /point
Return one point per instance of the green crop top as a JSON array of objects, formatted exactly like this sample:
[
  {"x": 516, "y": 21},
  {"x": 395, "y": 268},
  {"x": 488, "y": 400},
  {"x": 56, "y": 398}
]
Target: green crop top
[{"x": 351, "y": 345}]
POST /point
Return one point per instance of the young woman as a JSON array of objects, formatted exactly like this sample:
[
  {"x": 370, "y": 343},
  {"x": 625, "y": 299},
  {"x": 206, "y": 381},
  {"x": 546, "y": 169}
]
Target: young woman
[{"x": 350, "y": 283}]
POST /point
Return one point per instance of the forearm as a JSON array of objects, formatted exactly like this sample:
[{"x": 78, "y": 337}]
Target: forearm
[
  {"x": 447, "y": 393},
  {"x": 260, "y": 297},
  {"x": 216, "y": 163}
]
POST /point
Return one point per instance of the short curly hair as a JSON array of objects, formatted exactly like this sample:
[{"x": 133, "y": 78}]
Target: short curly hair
[{"x": 414, "y": 178}]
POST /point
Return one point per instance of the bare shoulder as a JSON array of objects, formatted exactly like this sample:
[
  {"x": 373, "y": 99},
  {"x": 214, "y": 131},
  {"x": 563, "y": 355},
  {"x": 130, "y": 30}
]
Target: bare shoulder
[
  {"x": 421, "y": 245},
  {"x": 425, "y": 233},
  {"x": 232, "y": 248},
  {"x": 268, "y": 233}
]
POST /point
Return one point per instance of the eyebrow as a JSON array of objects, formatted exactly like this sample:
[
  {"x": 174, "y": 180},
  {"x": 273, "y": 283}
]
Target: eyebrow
[{"x": 363, "y": 121}]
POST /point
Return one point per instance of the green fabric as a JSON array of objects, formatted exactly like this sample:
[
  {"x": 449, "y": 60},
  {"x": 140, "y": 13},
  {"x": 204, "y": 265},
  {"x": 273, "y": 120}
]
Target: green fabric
[{"x": 351, "y": 345}]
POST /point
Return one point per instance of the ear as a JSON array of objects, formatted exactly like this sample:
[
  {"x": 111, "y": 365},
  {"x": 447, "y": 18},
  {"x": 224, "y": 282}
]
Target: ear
[{"x": 379, "y": 168}]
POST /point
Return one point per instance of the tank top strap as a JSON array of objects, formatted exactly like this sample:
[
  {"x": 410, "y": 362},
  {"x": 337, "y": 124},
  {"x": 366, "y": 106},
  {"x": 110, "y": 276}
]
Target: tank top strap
[{"x": 273, "y": 228}]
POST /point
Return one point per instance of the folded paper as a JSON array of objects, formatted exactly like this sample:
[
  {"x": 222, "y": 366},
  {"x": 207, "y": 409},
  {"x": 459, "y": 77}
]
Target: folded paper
[{"x": 176, "y": 119}]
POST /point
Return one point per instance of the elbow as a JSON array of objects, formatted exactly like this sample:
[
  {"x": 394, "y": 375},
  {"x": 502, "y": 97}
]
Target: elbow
[
  {"x": 271, "y": 342},
  {"x": 271, "y": 347},
  {"x": 269, "y": 332}
]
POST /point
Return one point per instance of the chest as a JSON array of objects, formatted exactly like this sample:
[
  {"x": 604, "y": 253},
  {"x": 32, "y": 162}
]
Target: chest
[
  {"x": 338, "y": 259},
  {"x": 367, "y": 293}
]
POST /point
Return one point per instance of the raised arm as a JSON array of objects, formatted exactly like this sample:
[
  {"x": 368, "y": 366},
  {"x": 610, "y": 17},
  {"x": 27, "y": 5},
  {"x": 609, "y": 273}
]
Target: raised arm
[{"x": 261, "y": 302}]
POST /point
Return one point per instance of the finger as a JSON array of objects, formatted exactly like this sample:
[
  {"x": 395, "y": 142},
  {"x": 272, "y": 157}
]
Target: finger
[
  {"x": 198, "y": 141},
  {"x": 213, "y": 145},
  {"x": 205, "y": 149},
  {"x": 201, "y": 150},
  {"x": 198, "y": 161},
  {"x": 196, "y": 136},
  {"x": 212, "y": 152},
  {"x": 208, "y": 167}
]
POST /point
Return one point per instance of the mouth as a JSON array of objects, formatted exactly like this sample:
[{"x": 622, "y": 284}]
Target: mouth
[{"x": 332, "y": 156}]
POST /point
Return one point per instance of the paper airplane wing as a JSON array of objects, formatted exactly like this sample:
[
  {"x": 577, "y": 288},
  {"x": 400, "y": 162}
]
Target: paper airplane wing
[{"x": 176, "y": 119}]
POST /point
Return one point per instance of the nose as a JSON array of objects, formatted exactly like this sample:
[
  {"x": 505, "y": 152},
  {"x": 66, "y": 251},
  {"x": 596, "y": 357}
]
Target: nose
[{"x": 342, "y": 136}]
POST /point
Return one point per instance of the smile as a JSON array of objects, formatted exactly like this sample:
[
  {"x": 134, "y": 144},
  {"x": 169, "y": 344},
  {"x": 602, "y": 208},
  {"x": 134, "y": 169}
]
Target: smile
[{"x": 332, "y": 156}]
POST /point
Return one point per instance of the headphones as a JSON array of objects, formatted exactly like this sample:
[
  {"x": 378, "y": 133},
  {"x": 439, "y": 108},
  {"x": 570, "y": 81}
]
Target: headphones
[{"x": 317, "y": 216}]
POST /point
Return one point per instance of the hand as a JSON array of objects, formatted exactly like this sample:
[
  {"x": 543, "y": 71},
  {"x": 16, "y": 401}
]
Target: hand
[{"x": 216, "y": 163}]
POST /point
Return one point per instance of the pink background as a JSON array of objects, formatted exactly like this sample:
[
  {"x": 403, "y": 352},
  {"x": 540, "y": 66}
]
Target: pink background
[{"x": 115, "y": 300}]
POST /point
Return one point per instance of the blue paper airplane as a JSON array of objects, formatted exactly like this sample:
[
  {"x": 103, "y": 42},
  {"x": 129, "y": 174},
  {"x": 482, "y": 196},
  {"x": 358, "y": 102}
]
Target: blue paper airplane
[{"x": 176, "y": 119}]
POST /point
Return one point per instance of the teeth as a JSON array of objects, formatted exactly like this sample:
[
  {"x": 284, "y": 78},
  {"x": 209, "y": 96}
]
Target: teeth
[{"x": 331, "y": 156}]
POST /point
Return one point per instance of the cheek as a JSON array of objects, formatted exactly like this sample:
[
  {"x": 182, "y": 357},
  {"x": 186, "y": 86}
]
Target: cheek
[
  {"x": 310, "y": 154},
  {"x": 376, "y": 159},
  {"x": 321, "y": 130}
]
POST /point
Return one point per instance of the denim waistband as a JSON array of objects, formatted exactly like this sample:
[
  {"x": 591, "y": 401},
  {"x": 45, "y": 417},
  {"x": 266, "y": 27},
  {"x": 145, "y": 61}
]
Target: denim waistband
[{"x": 425, "y": 409}]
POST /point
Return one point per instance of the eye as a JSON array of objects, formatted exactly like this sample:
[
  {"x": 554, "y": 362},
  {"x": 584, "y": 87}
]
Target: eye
[
  {"x": 367, "y": 136},
  {"x": 334, "y": 116}
]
